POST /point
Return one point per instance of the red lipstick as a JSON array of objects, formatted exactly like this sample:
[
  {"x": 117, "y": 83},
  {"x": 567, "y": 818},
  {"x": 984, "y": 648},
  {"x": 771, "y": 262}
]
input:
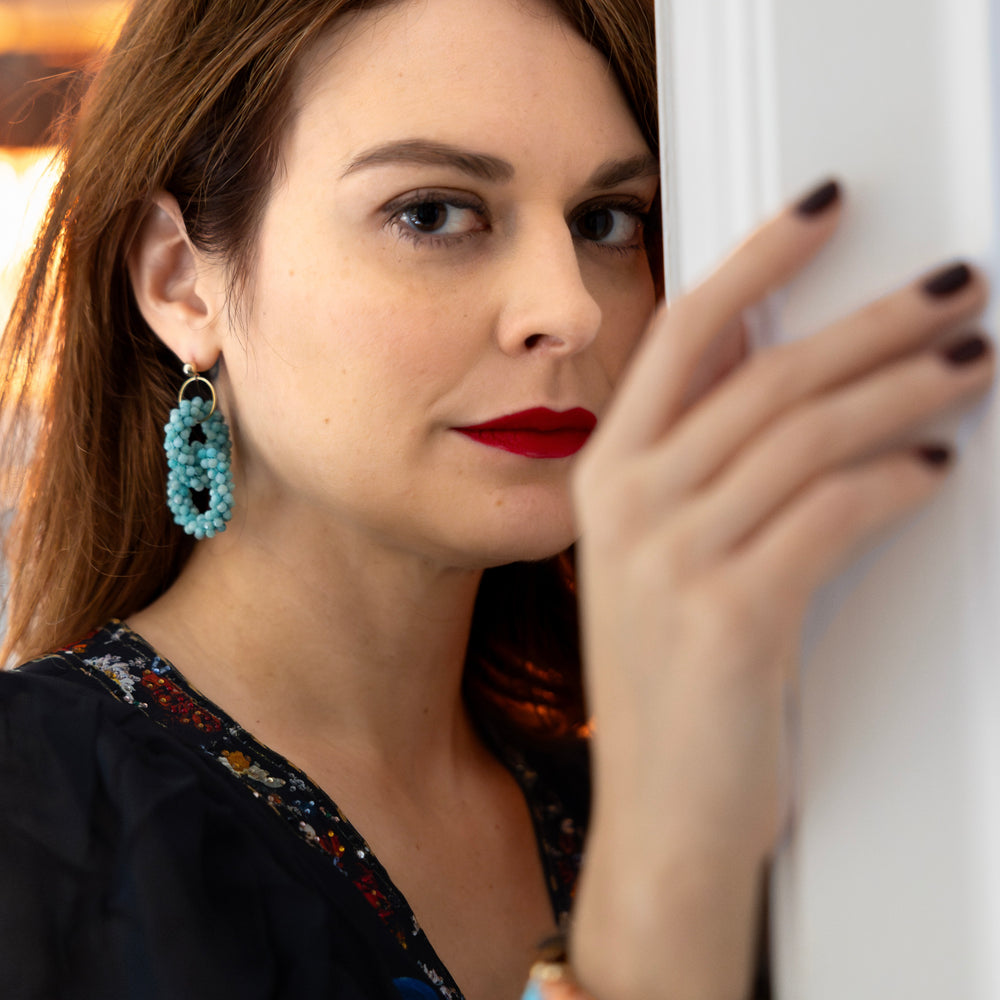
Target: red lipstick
[{"x": 537, "y": 433}]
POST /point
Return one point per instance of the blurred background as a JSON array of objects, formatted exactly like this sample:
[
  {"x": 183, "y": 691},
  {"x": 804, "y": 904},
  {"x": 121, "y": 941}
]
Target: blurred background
[{"x": 46, "y": 50}]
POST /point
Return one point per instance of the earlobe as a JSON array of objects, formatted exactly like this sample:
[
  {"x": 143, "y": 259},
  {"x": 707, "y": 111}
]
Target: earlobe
[{"x": 172, "y": 284}]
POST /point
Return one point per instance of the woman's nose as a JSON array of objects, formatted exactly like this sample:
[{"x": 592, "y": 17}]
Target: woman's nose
[{"x": 546, "y": 307}]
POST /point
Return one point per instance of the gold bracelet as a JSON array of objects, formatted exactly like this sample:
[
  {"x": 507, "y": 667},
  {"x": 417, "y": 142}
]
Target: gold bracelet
[{"x": 551, "y": 977}]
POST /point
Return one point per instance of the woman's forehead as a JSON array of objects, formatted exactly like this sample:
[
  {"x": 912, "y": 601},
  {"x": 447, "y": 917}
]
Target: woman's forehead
[{"x": 450, "y": 69}]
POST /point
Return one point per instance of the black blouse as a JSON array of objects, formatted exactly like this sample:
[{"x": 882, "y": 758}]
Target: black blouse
[{"x": 151, "y": 848}]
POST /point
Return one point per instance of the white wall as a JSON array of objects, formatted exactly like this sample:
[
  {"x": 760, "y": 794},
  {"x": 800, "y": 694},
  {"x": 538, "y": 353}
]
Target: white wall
[{"x": 889, "y": 886}]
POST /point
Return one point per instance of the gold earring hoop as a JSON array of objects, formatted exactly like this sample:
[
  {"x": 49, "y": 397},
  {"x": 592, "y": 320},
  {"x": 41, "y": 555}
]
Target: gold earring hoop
[{"x": 194, "y": 376}]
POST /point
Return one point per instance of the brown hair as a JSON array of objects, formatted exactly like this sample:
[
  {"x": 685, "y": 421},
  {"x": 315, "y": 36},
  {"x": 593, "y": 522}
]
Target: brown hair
[{"x": 192, "y": 98}]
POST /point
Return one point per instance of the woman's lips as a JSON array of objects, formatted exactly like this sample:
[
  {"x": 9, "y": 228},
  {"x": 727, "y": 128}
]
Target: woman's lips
[{"x": 537, "y": 433}]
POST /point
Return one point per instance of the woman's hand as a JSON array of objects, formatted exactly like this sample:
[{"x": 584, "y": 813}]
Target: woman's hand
[{"x": 705, "y": 530}]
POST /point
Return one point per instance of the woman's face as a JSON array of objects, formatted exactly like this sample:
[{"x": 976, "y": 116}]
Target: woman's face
[{"x": 454, "y": 236}]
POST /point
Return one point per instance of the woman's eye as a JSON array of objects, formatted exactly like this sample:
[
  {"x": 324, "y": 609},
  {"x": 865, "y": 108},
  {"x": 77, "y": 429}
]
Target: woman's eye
[
  {"x": 609, "y": 226},
  {"x": 438, "y": 218}
]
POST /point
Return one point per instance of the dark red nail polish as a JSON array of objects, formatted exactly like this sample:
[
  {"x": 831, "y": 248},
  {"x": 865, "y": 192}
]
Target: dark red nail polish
[
  {"x": 817, "y": 201},
  {"x": 948, "y": 281},
  {"x": 938, "y": 455},
  {"x": 967, "y": 350}
]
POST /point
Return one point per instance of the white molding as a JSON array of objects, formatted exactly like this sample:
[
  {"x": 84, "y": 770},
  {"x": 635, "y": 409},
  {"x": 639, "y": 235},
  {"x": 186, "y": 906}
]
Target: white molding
[
  {"x": 716, "y": 128},
  {"x": 889, "y": 886}
]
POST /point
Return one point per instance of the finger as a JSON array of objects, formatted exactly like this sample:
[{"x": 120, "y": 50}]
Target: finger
[
  {"x": 652, "y": 393},
  {"x": 728, "y": 351},
  {"x": 838, "y": 428},
  {"x": 830, "y": 521},
  {"x": 709, "y": 435}
]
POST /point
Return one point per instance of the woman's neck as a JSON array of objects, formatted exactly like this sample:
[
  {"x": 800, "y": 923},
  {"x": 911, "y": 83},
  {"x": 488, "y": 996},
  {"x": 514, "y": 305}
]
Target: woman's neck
[{"x": 354, "y": 648}]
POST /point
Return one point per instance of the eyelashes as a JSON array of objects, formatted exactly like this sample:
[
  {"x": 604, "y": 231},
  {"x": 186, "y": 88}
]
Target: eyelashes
[
  {"x": 611, "y": 224},
  {"x": 433, "y": 219}
]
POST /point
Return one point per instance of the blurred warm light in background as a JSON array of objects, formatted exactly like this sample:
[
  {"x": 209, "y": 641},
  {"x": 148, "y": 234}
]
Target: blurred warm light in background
[
  {"x": 73, "y": 26},
  {"x": 45, "y": 48},
  {"x": 26, "y": 179},
  {"x": 44, "y": 45}
]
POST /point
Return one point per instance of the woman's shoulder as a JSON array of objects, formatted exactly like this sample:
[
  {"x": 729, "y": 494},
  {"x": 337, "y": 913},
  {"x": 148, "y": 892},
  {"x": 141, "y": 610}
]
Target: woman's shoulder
[
  {"x": 57, "y": 699},
  {"x": 72, "y": 668},
  {"x": 74, "y": 753},
  {"x": 100, "y": 680},
  {"x": 67, "y": 706},
  {"x": 112, "y": 830},
  {"x": 106, "y": 649}
]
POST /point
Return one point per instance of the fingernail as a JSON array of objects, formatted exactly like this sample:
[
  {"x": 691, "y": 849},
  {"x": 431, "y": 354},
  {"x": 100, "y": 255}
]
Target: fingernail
[
  {"x": 820, "y": 199},
  {"x": 967, "y": 350},
  {"x": 938, "y": 455},
  {"x": 948, "y": 281}
]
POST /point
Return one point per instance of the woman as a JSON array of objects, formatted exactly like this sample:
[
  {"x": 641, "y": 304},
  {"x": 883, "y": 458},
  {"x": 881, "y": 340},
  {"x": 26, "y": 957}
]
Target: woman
[{"x": 408, "y": 244}]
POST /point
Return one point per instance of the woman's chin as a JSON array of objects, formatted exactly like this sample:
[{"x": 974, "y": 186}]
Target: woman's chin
[{"x": 533, "y": 543}]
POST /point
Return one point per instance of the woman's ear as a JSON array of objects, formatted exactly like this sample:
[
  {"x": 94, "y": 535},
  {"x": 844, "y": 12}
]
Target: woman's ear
[{"x": 179, "y": 293}]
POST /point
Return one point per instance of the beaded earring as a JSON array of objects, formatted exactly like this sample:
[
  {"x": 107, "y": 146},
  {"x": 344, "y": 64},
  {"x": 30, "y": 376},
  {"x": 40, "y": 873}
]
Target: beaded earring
[{"x": 196, "y": 466}]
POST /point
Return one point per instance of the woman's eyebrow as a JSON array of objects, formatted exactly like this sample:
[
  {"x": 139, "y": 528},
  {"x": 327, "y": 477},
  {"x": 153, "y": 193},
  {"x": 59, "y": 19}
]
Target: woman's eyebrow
[
  {"x": 490, "y": 168},
  {"x": 424, "y": 151},
  {"x": 615, "y": 172}
]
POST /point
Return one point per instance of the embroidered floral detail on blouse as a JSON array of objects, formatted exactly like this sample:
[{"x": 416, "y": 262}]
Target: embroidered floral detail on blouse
[
  {"x": 560, "y": 838},
  {"x": 171, "y": 697},
  {"x": 327, "y": 842},
  {"x": 119, "y": 671},
  {"x": 368, "y": 885},
  {"x": 82, "y": 644},
  {"x": 241, "y": 765},
  {"x": 309, "y": 812},
  {"x": 442, "y": 986}
]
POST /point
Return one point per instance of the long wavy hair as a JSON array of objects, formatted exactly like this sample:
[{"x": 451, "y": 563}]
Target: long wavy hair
[{"x": 193, "y": 98}]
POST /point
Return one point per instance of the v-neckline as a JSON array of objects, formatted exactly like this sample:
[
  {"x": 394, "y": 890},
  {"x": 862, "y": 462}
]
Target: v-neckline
[{"x": 152, "y": 684}]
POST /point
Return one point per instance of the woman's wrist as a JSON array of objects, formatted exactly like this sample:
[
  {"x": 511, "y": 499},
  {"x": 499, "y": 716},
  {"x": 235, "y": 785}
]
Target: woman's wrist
[{"x": 686, "y": 926}]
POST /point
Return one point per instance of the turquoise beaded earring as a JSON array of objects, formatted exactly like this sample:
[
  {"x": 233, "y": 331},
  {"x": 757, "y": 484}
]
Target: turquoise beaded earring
[{"x": 196, "y": 466}]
